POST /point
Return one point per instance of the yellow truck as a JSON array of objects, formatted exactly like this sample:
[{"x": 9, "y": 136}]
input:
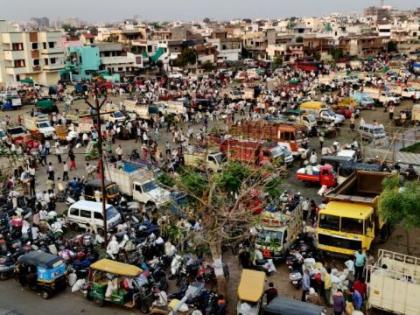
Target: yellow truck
[{"x": 351, "y": 220}]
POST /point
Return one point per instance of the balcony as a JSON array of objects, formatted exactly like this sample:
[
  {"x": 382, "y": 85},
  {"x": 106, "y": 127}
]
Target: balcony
[
  {"x": 53, "y": 67},
  {"x": 14, "y": 55},
  {"x": 16, "y": 71},
  {"x": 50, "y": 51},
  {"x": 115, "y": 60}
]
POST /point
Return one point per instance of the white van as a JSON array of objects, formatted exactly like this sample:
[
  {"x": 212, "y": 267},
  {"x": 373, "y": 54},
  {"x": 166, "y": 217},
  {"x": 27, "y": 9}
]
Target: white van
[
  {"x": 89, "y": 214},
  {"x": 374, "y": 133}
]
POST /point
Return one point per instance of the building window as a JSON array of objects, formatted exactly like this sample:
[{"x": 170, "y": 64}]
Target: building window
[
  {"x": 20, "y": 63},
  {"x": 53, "y": 61},
  {"x": 51, "y": 44},
  {"x": 44, "y": 45},
  {"x": 46, "y": 61},
  {"x": 120, "y": 69},
  {"x": 34, "y": 46},
  {"x": 36, "y": 62},
  {"x": 17, "y": 46},
  {"x": 17, "y": 77}
]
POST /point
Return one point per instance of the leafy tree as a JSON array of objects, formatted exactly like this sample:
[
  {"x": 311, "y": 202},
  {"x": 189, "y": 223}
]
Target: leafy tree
[
  {"x": 392, "y": 46},
  {"x": 336, "y": 53},
  {"x": 399, "y": 204},
  {"x": 278, "y": 61},
  {"x": 187, "y": 56},
  {"x": 208, "y": 66},
  {"x": 222, "y": 202}
]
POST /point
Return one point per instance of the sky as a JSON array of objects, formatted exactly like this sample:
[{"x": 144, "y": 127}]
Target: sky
[{"x": 161, "y": 10}]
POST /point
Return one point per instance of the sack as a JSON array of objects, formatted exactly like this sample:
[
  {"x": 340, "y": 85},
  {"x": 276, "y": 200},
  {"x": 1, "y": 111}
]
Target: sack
[{"x": 349, "y": 308}]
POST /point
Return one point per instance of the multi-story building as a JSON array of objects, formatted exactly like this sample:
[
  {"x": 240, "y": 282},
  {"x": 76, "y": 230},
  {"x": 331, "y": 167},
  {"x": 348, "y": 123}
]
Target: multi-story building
[
  {"x": 228, "y": 48},
  {"x": 35, "y": 55}
]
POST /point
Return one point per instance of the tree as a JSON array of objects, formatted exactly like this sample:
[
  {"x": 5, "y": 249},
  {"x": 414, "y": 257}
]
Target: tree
[
  {"x": 278, "y": 61},
  {"x": 299, "y": 39},
  {"x": 187, "y": 56},
  {"x": 222, "y": 203},
  {"x": 336, "y": 53},
  {"x": 392, "y": 46},
  {"x": 399, "y": 204}
]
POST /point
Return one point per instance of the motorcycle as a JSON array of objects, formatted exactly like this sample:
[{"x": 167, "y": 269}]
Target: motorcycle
[{"x": 7, "y": 267}]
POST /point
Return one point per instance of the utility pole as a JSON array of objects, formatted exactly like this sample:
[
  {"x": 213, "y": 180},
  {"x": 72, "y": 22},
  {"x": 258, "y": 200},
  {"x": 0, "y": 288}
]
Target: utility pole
[{"x": 97, "y": 108}]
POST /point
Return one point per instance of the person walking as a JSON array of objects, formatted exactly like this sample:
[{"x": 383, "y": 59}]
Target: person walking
[
  {"x": 327, "y": 286},
  {"x": 306, "y": 284},
  {"x": 305, "y": 208},
  {"x": 271, "y": 292},
  {"x": 357, "y": 299},
  {"x": 359, "y": 264},
  {"x": 65, "y": 171},
  {"x": 50, "y": 171},
  {"x": 321, "y": 140},
  {"x": 119, "y": 152},
  {"x": 58, "y": 152},
  {"x": 339, "y": 304},
  {"x": 72, "y": 159}
]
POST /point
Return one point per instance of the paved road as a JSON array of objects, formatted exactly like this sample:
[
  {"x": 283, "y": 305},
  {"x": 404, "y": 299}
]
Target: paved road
[{"x": 26, "y": 302}]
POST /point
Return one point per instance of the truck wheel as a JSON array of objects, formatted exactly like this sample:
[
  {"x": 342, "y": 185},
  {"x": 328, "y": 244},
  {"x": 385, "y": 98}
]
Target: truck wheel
[
  {"x": 99, "y": 302},
  {"x": 45, "y": 294},
  {"x": 150, "y": 206}
]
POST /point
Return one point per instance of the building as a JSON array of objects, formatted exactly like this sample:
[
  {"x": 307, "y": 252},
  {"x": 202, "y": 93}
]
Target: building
[
  {"x": 81, "y": 63},
  {"x": 116, "y": 59},
  {"x": 228, "y": 48},
  {"x": 38, "y": 55}
]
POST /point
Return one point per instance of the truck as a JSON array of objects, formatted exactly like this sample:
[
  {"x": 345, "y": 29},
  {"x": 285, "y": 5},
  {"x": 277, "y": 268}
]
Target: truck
[
  {"x": 394, "y": 283},
  {"x": 278, "y": 230},
  {"x": 351, "y": 220},
  {"x": 363, "y": 100},
  {"x": 139, "y": 183},
  {"x": 323, "y": 175},
  {"x": 284, "y": 134},
  {"x": 142, "y": 111},
  {"x": 205, "y": 160},
  {"x": 39, "y": 123},
  {"x": 255, "y": 152}
]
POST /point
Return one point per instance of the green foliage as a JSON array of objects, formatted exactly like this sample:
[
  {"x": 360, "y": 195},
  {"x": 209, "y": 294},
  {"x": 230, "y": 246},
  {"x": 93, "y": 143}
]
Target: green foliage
[
  {"x": 336, "y": 53},
  {"x": 232, "y": 176},
  {"x": 166, "y": 180},
  {"x": 392, "y": 46},
  {"x": 278, "y": 61},
  {"x": 415, "y": 148},
  {"x": 195, "y": 183},
  {"x": 208, "y": 66},
  {"x": 274, "y": 188},
  {"x": 401, "y": 204},
  {"x": 299, "y": 39},
  {"x": 187, "y": 56}
]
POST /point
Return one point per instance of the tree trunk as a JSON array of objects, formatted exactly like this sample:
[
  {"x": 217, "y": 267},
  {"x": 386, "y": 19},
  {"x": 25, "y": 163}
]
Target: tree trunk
[
  {"x": 408, "y": 244},
  {"x": 216, "y": 255}
]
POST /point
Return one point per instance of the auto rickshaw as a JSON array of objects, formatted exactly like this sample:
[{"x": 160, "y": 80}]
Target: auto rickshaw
[
  {"x": 92, "y": 152},
  {"x": 92, "y": 191},
  {"x": 107, "y": 283},
  {"x": 250, "y": 292},
  {"x": 42, "y": 272}
]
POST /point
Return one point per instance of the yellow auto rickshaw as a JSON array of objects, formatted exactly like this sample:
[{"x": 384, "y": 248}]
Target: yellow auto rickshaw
[
  {"x": 108, "y": 282},
  {"x": 250, "y": 292}
]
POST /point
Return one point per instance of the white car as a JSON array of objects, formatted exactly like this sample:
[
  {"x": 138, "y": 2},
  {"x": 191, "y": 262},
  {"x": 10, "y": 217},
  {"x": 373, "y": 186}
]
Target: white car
[
  {"x": 45, "y": 128},
  {"x": 411, "y": 92},
  {"x": 330, "y": 116}
]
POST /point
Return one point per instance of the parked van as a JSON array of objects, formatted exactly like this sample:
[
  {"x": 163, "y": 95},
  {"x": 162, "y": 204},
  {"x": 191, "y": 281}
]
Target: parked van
[
  {"x": 372, "y": 132},
  {"x": 87, "y": 214}
]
